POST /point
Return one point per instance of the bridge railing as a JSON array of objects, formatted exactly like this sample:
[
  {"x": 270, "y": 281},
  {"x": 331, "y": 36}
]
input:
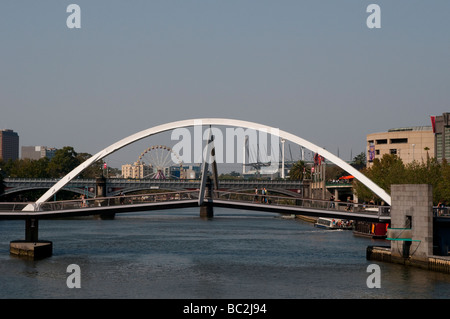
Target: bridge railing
[
  {"x": 303, "y": 202},
  {"x": 441, "y": 211},
  {"x": 12, "y": 206},
  {"x": 118, "y": 200}
]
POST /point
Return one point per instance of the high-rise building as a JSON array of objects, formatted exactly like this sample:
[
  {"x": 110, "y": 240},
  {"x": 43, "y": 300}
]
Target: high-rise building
[
  {"x": 9, "y": 145},
  {"x": 441, "y": 130},
  {"x": 37, "y": 152}
]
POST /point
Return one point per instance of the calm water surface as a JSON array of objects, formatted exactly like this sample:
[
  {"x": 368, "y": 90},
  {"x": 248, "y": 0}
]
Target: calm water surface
[{"x": 176, "y": 254}]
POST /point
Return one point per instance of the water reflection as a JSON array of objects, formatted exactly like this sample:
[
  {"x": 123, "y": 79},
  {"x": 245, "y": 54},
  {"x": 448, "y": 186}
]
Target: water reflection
[{"x": 179, "y": 255}]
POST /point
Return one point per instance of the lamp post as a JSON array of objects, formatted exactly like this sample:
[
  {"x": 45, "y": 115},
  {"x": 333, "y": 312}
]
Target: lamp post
[
  {"x": 413, "y": 145},
  {"x": 282, "y": 158}
]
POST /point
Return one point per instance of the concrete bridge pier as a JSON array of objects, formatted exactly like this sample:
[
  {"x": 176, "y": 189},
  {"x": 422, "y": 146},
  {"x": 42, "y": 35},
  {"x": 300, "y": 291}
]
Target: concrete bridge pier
[{"x": 31, "y": 247}]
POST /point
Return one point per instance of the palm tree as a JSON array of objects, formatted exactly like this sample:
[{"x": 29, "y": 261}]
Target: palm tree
[
  {"x": 426, "y": 148},
  {"x": 297, "y": 171}
]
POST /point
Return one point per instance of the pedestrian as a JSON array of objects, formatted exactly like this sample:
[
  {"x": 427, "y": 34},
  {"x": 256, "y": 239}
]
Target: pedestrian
[
  {"x": 256, "y": 195},
  {"x": 440, "y": 208},
  {"x": 349, "y": 206},
  {"x": 332, "y": 201},
  {"x": 83, "y": 201}
]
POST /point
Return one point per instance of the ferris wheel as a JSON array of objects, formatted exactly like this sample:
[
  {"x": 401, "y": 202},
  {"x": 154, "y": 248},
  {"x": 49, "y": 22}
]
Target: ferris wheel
[{"x": 159, "y": 159}]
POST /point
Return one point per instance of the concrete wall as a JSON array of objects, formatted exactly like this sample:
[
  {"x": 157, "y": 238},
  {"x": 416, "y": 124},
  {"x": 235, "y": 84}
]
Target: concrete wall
[{"x": 414, "y": 203}]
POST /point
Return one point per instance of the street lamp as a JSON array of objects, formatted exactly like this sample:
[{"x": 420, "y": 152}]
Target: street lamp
[{"x": 282, "y": 158}]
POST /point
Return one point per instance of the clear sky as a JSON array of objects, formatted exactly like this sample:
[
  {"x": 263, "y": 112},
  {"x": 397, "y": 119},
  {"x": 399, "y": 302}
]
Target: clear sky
[{"x": 311, "y": 68}]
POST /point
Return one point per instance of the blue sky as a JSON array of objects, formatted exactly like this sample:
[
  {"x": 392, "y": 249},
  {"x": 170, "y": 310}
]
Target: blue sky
[{"x": 311, "y": 68}]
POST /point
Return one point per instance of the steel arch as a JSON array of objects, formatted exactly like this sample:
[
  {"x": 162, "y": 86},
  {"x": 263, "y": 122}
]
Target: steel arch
[{"x": 210, "y": 121}]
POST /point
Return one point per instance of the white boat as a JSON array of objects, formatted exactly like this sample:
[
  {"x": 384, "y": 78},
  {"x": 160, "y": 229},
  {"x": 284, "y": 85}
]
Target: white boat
[{"x": 331, "y": 223}]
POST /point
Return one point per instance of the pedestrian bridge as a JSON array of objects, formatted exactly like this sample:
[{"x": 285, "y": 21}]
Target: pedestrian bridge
[
  {"x": 272, "y": 204},
  {"x": 206, "y": 197}
]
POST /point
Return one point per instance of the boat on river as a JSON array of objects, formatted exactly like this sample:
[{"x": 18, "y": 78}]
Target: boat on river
[
  {"x": 370, "y": 229},
  {"x": 332, "y": 223}
]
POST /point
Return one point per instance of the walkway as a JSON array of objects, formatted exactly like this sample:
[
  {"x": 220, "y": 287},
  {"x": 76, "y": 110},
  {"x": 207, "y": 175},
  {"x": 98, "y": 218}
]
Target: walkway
[{"x": 173, "y": 200}]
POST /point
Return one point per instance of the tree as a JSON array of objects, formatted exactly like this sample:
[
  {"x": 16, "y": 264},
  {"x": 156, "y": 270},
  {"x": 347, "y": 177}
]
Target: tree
[
  {"x": 296, "y": 171},
  {"x": 94, "y": 170},
  {"x": 391, "y": 170},
  {"x": 231, "y": 175},
  {"x": 63, "y": 162},
  {"x": 442, "y": 191},
  {"x": 385, "y": 172},
  {"x": 359, "y": 161}
]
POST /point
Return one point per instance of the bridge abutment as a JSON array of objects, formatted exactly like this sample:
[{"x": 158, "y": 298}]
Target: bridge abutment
[{"x": 412, "y": 230}]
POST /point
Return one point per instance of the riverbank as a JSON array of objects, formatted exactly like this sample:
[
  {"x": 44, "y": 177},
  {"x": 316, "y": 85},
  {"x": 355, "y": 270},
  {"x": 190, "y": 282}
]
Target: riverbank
[{"x": 433, "y": 263}]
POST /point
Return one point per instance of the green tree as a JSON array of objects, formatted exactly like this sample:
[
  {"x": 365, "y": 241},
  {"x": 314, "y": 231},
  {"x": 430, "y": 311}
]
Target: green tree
[
  {"x": 390, "y": 170},
  {"x": 28, "y": 168},
  {"x": 63, "y": 162},
  {"x": 296, "y": 171},
  {"x": 94, "y": 170},
  {"x": 384, "y": 172},
  {"x": 359, "y": 161},
  {"x": 442, "y": 191},
  {"x": 231, "y": 175},
  {"x": 333, "y": 172}
]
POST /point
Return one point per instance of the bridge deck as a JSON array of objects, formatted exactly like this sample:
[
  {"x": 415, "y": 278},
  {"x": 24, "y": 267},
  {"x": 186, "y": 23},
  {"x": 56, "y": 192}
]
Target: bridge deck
[
  {"x": 182, "y": 199},
  {"x": 313, "y": 212}
]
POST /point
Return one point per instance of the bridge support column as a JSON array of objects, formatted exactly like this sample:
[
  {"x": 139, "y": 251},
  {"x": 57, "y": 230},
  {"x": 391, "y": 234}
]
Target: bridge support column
[
  {"x": 411, "y": 231},
  {"x": 101, "y": 192},
  {"x": 206, "y": 208},
  {"x": 100, "y": 187},
  {"x": 206, "y": 211},
  {"x": 31, "y": 247}
]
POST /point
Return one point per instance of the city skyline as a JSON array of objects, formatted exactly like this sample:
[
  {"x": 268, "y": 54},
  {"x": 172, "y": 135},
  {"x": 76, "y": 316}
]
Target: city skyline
[{"x": 312, "y": 69}]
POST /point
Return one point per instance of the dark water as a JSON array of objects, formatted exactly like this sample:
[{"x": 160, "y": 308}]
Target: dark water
[{"x": 176, "y": 254}]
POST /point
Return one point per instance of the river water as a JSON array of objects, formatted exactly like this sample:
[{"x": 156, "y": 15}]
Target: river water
[{"x": 176, "y": 254}]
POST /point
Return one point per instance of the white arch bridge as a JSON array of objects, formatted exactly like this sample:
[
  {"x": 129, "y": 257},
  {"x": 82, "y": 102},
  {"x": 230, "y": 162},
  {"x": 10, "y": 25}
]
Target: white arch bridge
[
  {"x": 206, "y": 197},
  {"x": 210, "y": 122}
]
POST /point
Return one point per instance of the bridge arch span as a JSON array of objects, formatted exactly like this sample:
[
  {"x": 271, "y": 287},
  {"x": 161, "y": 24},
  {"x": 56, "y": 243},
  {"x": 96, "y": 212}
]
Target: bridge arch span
[
  {"x": 31, "y": 188},
  {"x": 210, "y": 121}
]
